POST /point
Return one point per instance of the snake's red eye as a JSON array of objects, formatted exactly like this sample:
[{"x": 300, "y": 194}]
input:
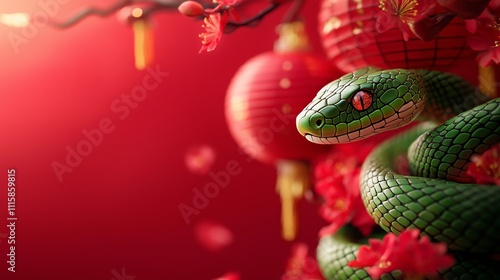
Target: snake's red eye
[{"x": 362, "y": 100}]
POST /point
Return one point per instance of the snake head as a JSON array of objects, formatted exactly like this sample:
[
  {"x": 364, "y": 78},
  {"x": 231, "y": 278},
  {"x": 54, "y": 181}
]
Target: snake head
[{"x": 362, "y": 104}]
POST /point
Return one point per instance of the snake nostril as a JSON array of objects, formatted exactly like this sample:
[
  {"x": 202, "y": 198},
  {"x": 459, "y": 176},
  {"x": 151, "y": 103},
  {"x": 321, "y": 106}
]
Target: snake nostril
[{"x": 319, "y": 122}]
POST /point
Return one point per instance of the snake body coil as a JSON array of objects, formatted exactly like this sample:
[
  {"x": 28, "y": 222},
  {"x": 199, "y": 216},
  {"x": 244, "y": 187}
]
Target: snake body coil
[{"x": 439, "y": 198}]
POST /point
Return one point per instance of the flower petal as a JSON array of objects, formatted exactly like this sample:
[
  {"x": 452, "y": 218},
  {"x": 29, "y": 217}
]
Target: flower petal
[
  {"x": 465, "y": 9},
  {"x": 406, "y": 252},
  {"x": 427, "y": 28}
]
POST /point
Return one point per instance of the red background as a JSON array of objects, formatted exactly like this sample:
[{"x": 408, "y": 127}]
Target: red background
[{"x": 119, "y": 207}]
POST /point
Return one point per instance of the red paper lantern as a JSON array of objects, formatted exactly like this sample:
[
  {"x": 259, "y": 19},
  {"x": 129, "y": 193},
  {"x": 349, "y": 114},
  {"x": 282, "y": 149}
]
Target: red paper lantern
[
  {"x": 264, "y": 98},
  {"x": 351, "y": 40}
]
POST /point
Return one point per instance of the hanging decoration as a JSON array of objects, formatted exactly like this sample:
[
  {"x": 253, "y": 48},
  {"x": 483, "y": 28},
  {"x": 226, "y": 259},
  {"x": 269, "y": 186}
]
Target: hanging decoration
[
  {"x": 143, "y": 35},
  {"x": 262, "y": 101},
  {"x": 388, "y": 34},
  {"x": 269, "y": 91},
  {"x": 434, "y": 34}
]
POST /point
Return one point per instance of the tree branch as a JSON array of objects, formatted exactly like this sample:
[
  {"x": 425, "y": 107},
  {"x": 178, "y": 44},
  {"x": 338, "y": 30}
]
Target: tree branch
[{"x": 155, "y": 6}]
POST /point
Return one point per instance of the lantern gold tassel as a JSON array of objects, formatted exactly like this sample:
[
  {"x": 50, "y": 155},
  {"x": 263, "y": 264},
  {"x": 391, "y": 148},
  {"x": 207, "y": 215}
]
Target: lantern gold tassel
[
  {"x": 292, "y": 183},
  {"x": 293, "y": 176},
  {"x": 487, "y": 81},
  {"x": 143, "y": 40}
]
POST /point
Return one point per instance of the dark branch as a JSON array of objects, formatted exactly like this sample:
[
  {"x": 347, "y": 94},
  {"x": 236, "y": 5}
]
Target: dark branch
[
  {"x": 155, "y": 5},
  {"x": 231, "y": 26},
  {"x": 293, "y": 13}
]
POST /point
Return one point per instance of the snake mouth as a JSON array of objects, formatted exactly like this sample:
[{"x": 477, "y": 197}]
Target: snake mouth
[
  {"x": 346, "y": 138},
  {"x": 322, "y": 140}
]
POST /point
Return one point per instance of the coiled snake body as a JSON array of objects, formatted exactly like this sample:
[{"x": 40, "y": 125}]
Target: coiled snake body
[{"x": 439, "y": 198}]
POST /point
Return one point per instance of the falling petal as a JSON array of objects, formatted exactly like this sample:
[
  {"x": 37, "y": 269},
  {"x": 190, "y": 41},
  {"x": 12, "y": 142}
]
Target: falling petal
[
  {"x": 213, "y": 236},
  {"x": 229, "y": 276},
  {"x": 485, "y": 168},
  {"x": 301, "y": 265},
  {"x": 200, "y": 159}
]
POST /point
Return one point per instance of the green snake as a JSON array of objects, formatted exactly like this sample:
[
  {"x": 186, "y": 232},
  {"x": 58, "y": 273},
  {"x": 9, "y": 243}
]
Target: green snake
[{"x": 439, "y": 198}]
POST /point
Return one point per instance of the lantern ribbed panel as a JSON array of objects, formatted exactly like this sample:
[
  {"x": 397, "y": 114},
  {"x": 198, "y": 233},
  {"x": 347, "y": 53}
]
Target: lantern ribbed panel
[
  {"x": 265, "y": 96},
  {"x": 348, "y": 34}
]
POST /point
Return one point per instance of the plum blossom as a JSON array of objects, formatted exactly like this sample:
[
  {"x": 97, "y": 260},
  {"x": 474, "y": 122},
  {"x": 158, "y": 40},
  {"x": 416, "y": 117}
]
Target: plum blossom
[
  {"x": 337, "y": 181},
  {"x": 401, "y": 14},
  {"x": 301, "y": 266},
  {"x": 485, "y": 168},
  {"x": 214, "y": 28},
  {"x": 407, "y": 252},
  {"x": 485, "y": 37}
]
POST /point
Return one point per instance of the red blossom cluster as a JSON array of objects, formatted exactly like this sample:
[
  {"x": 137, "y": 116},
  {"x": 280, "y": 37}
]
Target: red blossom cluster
[
  {"x": 214, "y": 22},
  {"x": 426, "y": 18},
  {"x": 301, "y": 266},
  {"x": 413, "y": 256},
  {"x": 485, "y": 34},
  {"x": 423, "y": 18},
  {"x": 337, "y": 181},
  {"x": 402, "y": 14},
  {"x": 485, "y": 168}
]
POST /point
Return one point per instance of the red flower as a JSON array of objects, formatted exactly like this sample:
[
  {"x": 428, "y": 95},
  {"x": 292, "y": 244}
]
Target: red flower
[
  {"x": 402, "y": 14},
  {"x": 337, "y": 180},
  {"x": 486, "y": 36},
  {"x": 214, "y": 27},
  {"x": 301, "y": 266},
  {"x": 406, "y": 252},
  {"x": 375, "y": 256},
  {"x": 343, "y": 203},
  {"x": 344, "y": 158},
  {"x": 488, "y": 45},
  {"x": 465, "y": 9},
  {"x": 485, "y": 169},
  {"x": 427, "y": 28},
  {"x": 225, "y": 5}
]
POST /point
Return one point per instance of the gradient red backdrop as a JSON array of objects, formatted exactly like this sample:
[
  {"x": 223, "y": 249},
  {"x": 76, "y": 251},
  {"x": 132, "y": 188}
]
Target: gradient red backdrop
[{"x": 118, "y": 208}]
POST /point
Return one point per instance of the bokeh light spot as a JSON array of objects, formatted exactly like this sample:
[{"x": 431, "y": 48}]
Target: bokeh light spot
[{"x": 200, "y": 158}]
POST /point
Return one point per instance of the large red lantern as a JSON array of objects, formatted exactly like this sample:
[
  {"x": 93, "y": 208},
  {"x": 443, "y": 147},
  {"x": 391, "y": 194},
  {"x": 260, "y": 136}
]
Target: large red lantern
[
  {"x": 264, "y": 98},
  {"x": 351, "y": 40}
]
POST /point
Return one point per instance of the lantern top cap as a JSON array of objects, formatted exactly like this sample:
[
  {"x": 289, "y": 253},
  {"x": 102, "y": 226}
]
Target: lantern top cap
[{"x": 292, "y": 38}]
